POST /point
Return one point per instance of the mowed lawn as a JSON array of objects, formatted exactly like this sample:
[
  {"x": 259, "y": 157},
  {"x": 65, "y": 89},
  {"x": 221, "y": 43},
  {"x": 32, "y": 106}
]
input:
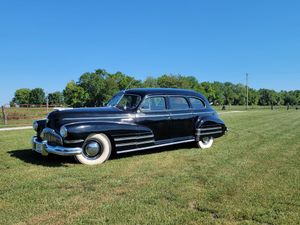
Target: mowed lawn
[{"x": 250, "y": 176}]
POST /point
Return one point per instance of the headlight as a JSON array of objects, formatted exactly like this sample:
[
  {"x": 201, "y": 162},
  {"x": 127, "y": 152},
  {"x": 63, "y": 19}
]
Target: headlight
[
  {"x": 35, "y": 125},
  {"x": 63, "y": 131}
]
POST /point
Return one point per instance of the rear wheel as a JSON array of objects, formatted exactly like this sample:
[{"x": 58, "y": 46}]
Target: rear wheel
[
  {"x": 205, "y": 142},
  {"x": 95, "y": 150}
]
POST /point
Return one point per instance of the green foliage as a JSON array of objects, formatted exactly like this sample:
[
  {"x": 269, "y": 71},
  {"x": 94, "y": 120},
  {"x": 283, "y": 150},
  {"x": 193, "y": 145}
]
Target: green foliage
[
  {"x": 21, "y": 96},
  {"x": 267, "y": 97},
  {"x": 37, "y": 96},
  {"x": 56, "y": 98},
  {"x": 177, "y": 81},
  {"x": 96, "y": 88},
  {"x": 150, "y": 82},
  {"x": 119, "y": 81},
  {"x": 100, "y": 86},
  {"x": 75, "y": 95}
]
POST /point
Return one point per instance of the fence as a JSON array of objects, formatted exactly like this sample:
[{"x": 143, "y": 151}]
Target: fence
[
  {"x": 23, "y": 114},
  {"x": 254, "y": 107}
]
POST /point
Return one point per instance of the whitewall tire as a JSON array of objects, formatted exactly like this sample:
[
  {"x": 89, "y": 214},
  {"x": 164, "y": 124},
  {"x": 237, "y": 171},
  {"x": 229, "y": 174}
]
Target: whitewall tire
[
  {"x": 95, "y": 150},
  {"x": 205, "y": 142}
]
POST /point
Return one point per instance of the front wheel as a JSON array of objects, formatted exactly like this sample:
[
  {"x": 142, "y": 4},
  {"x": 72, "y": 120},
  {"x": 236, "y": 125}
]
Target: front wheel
[
  {"x": 95, "y": 150},
  {"x": 205, "y": 142}
]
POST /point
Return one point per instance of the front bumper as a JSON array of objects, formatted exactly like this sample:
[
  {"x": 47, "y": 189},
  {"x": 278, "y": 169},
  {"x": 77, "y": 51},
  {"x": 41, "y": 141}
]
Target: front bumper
[{"x": 43, "y": 148}]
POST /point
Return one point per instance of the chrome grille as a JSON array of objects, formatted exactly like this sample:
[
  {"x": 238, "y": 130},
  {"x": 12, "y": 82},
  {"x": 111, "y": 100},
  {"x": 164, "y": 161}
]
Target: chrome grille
[{"x": 51, "y": 137}]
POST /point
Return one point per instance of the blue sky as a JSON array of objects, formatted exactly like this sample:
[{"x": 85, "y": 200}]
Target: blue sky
[{"x": 48, "y": 43}]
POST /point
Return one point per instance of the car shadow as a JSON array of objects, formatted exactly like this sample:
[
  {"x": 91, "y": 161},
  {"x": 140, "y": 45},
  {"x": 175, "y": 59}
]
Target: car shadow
[{"x": 29, "y": 156}]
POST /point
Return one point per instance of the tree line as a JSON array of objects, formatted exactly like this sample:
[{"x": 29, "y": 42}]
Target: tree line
[{"x": 96, "y": 88}]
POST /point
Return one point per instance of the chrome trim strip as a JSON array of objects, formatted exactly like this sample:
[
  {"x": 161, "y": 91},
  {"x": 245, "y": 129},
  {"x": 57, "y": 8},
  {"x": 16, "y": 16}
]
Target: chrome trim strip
[
  {"x": 155, "y": 115},
  {"x": 134, "y": 143},
  {"x": 134, "y": 137},
  {"x": 73, "y": 141},
  {"x": 181, "y": 114},
  {"x": 58, "y": 150},
  {"x": 96, "y": 118},
  {"x": 209, "y": 128},
  {"x": 172, "y": 114},
  {"x": 155, "y": 146},
  {"x": 215, "y": 132}
]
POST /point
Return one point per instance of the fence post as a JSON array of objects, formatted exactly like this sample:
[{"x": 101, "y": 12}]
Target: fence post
[{"x": 4, "y": 115}]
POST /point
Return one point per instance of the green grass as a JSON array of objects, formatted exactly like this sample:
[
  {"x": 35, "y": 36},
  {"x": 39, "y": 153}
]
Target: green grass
[{"x": 250, "y": 176}]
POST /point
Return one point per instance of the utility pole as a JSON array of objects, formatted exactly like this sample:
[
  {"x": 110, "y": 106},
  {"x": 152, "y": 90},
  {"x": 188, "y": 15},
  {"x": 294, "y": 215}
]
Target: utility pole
[
  {"x": 47, "y": 102},
  {"x": 247, "y": 92}
]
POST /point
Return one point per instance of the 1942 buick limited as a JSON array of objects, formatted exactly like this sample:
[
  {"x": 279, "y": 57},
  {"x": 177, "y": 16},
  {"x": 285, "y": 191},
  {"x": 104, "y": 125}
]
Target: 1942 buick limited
[{"x": 134, "y": 119}]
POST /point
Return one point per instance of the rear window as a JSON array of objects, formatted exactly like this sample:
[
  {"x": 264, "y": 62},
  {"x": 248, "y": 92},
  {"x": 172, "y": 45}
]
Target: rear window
[
  {"x": 178, "y": 103},
  {"x": 197, "y": 103},
  {"x": 154, "y": 103}
]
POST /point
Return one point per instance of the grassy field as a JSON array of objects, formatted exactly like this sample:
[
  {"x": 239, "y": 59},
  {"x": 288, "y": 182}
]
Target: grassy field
[{"x": 250, "y": 176}]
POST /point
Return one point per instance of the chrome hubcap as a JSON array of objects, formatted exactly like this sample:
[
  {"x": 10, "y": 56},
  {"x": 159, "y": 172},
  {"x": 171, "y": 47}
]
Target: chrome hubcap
[
  {"x": 205, "y": 140},
  {"x": 92, "y": 149}
]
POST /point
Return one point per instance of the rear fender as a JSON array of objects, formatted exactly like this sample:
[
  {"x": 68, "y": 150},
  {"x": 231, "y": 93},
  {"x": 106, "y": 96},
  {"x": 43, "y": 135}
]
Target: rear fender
[{"x": 209, "y": 126}]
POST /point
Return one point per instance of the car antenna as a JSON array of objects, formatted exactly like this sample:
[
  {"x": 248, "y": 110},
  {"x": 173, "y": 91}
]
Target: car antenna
[{"x": 129, "y": 84}]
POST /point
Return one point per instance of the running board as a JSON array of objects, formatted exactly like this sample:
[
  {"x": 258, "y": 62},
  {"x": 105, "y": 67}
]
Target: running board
[{"x": 155, "y": 146}]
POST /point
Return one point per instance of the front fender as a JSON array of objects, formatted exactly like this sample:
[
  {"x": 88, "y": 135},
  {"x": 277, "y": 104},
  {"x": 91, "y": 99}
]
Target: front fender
[
  {"x": 81, "y": 130},
  {"x": 41, "y": 126}
]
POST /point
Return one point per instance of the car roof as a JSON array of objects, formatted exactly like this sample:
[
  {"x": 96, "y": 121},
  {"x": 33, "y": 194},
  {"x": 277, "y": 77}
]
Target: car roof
[{"x": 163, "y": 91}]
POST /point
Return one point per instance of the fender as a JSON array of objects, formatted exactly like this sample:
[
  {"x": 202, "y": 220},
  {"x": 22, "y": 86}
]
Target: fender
[
  {"x": 114, "y": 130},
  {"x": 210, "y": 125},
  {"x": 41, "y": 126}
]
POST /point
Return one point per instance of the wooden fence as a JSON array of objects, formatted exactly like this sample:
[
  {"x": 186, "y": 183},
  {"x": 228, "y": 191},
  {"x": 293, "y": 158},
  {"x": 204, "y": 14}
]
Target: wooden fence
[{"x": 23, "y": 114}]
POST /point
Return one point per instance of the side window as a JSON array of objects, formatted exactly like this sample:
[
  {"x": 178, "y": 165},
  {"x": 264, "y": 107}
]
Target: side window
[
  {"x": 197, "y": 103},
  {"x": 178, "y": 103},
  {"x": 154, "y": 103}
]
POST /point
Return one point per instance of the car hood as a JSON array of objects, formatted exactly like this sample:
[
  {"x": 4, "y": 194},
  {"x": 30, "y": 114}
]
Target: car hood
[{"x": 60, "y": 117}]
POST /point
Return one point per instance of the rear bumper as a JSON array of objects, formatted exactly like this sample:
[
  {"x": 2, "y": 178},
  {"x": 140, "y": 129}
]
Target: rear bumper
[{"x": 43, "y": 148}]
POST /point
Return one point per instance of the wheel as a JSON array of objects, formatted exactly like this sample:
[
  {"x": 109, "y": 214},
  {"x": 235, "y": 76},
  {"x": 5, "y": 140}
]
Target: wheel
[
  {"x": 205, "y": 142},
  {"x": 95, "y": 150}
]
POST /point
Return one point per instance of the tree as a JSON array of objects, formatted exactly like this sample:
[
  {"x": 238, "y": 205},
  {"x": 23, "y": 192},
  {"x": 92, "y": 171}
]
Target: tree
[
  {"x": 117, "y": 82},
  {"x": 169, "y": 81},
  {"x": 96, "y": 88},
  {"x": 37, "y": 96},
  {"x": 56, "y": 98},
  {"x": 267, "y": 97},
  {"x": 94, "y": 85},
  {"x": 229, "y": 93},
  {"x": 253, "y": 97},
  {"x": 207, "y": 89},
  {"x": 290, "y": 98},
  {"x": 21, "y": 96},
  {"x": 218, "y": 88},
  {"x": 150, "y": 82},
  {"x": 178, "y": 81},
  {"x": 74, "y": 95}
]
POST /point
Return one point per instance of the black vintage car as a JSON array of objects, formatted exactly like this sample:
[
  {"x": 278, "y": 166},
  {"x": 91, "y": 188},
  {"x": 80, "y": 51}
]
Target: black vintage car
[{"x": 135, "y": 119}]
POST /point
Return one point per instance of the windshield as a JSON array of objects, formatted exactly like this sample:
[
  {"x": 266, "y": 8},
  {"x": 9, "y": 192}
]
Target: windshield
[
  {"x": 114, "y": 100},
  {"x": 125, "y": 102}
]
